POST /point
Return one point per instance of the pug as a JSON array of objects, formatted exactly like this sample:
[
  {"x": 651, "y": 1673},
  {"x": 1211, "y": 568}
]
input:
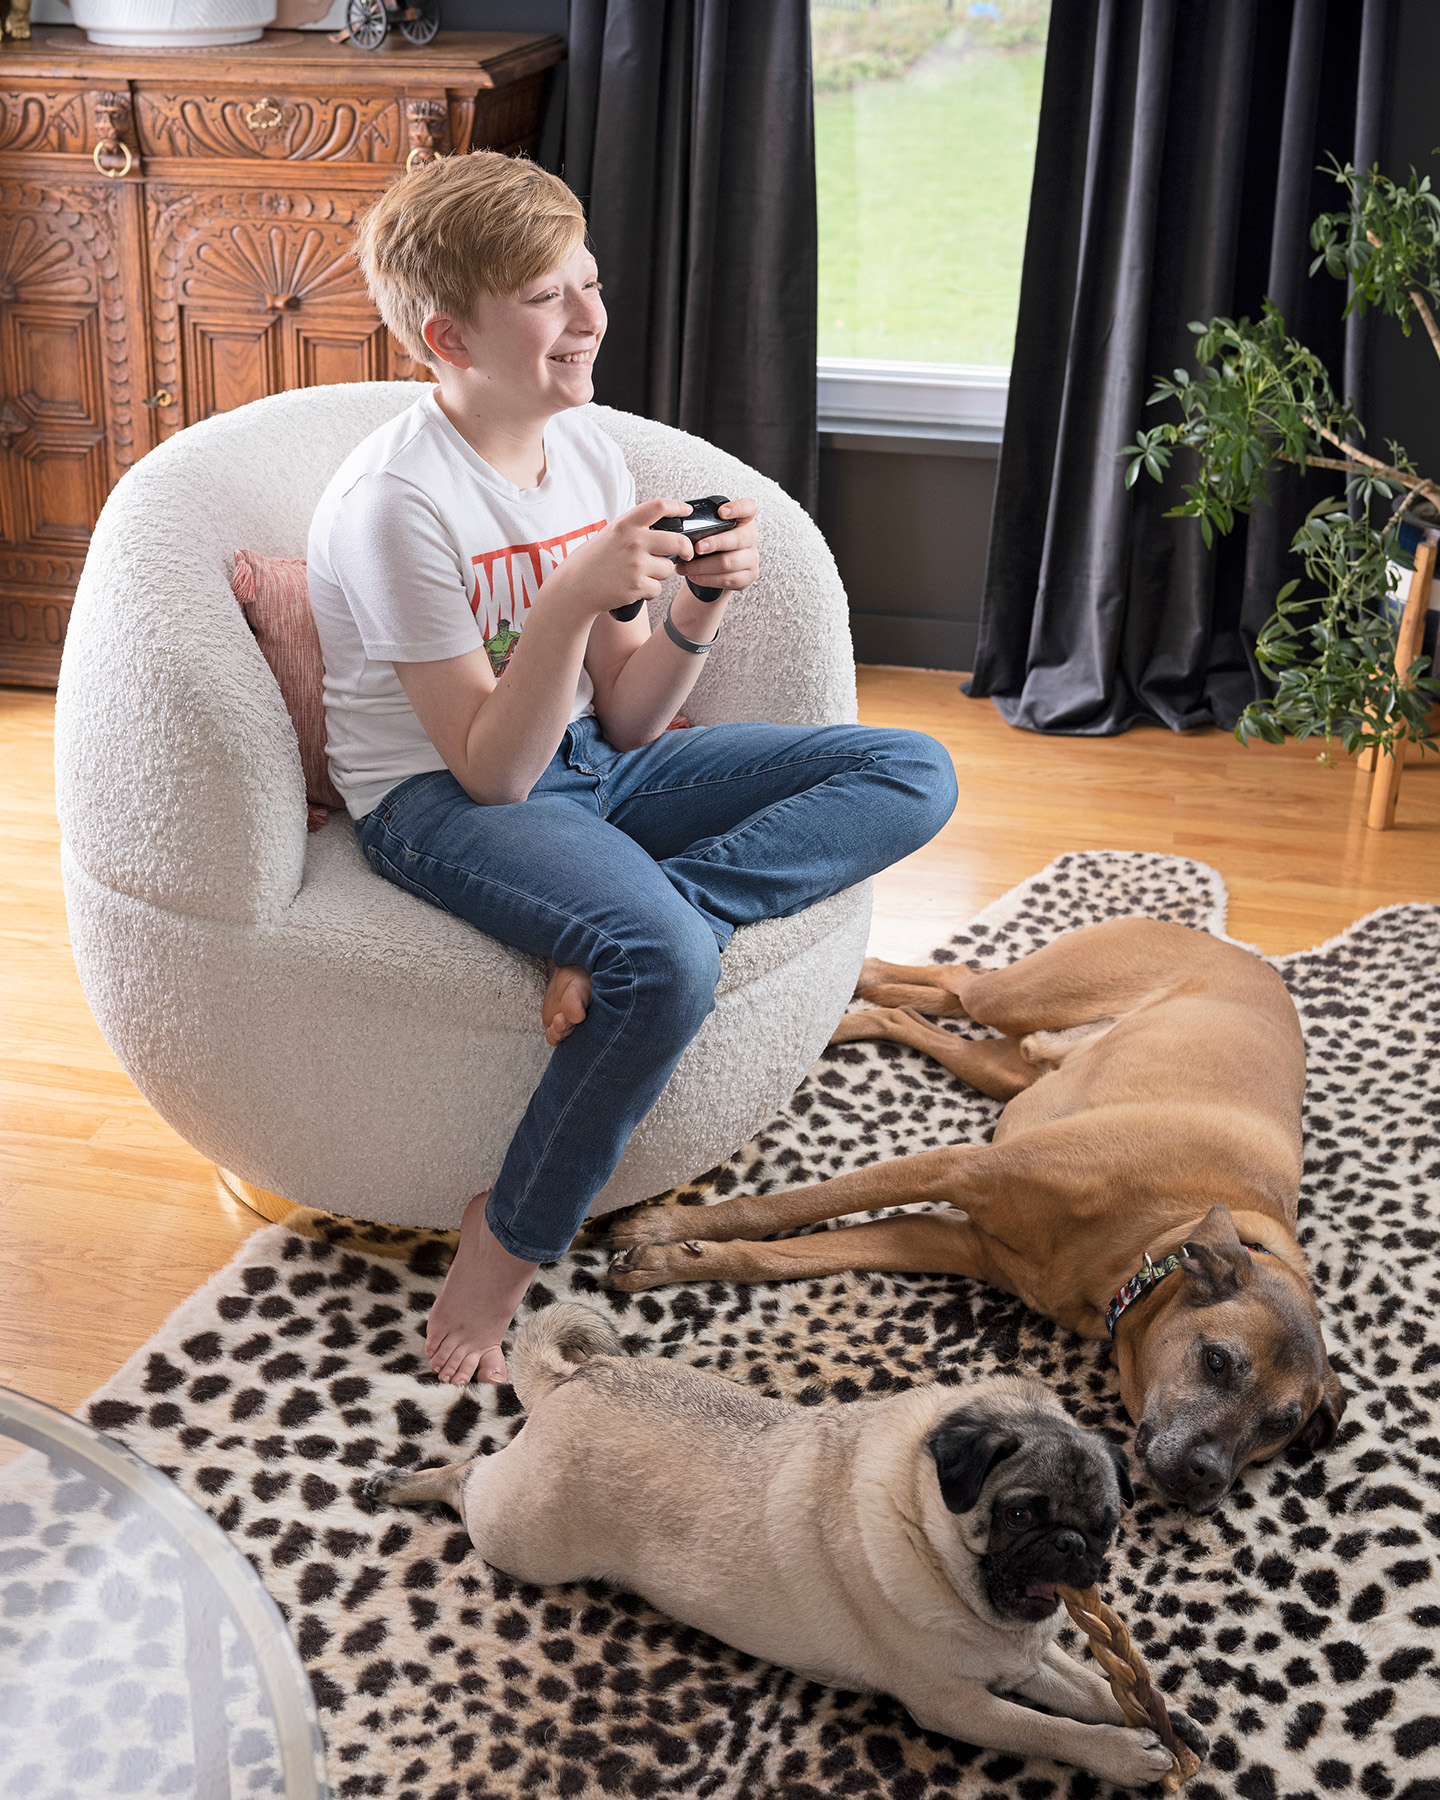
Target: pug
[{"x": 909, "y": 1546}]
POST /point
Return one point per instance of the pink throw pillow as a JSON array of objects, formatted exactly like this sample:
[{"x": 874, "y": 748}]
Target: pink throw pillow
[{"x": 276, "y": 603}]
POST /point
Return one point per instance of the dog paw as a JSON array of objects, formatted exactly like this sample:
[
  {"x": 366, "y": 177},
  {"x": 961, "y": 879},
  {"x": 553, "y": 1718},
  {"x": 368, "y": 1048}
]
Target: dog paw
[
  {"x": 646, "y": 1225},
  {"x": 872, "y": 970},
  {"x": 654, "y": 1265},
  {"x": 1129, "y": 1757},
  {"x": 377, "y": 1489}
]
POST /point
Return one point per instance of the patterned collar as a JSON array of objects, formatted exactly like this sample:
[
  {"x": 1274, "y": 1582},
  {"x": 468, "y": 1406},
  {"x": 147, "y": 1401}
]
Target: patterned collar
[{"x": 1147, "y": 1276}]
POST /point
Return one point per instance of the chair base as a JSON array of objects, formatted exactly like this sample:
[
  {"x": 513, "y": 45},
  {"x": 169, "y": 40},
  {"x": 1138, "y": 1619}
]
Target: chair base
[{"x": 260, "y": 1200}]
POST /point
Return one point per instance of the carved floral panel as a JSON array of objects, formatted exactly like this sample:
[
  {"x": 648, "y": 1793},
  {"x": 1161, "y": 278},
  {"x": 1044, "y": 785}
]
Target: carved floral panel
[
  {"x": 41, "y": 260},
  {"x": 275, "y": 126},
  {"x": 49, "y": 120}
]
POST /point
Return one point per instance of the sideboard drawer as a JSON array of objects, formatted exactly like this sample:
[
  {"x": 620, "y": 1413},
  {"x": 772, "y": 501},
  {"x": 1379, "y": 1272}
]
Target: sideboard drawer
[{"x": 266, "y": 123}]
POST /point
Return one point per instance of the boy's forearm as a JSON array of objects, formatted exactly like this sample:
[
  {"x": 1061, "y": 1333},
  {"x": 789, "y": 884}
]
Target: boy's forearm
[
  {"x": 518, "y": 728},
  {"x": 656, "y": 681}
]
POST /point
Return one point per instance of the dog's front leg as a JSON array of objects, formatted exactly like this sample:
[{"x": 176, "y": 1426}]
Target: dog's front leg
[
  {"x": 973, "y": 1714},
  {"x": 1072, "y": 1688},
  {"x": 930, "y": 1175},
  {"x": 913, "y": 1244}
]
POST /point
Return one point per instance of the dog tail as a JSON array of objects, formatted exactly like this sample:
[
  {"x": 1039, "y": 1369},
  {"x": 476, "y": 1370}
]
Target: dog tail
[{"x": 552, "y": 1344}]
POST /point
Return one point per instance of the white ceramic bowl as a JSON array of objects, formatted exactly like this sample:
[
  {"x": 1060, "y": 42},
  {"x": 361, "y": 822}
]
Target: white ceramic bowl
[{"x": 153, "y": 23}]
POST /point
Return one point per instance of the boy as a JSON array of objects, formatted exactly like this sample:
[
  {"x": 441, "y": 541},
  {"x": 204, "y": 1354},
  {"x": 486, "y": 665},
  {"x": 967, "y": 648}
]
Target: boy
[{"x": 500, "y": 739}]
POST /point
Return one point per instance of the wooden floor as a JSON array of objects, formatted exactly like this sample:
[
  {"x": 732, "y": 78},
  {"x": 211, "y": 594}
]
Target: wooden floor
[{"x": 108, "y": 1219}]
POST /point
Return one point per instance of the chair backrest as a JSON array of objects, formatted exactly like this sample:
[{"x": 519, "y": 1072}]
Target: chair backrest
[{"x": 177, "y": 771}]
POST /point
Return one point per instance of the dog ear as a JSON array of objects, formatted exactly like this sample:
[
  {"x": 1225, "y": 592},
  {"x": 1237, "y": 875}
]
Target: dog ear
[
  {"x": 1215, "y": 1263},
  {"x": 966, "y": 1448},
  {"x": 1216, "y": 1231},
  {"x": 1213, "y": 1275},
  {"x": 1318, "y": 1431},
  {"x": 1122, "y": 1472}
]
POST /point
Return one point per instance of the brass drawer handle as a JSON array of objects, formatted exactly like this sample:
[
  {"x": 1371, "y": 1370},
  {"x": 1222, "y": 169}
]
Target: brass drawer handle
[
  {"x": 161, "y": 398},
  {"x": 264, "y": 115},
  {"x": 102, "y": 150}
]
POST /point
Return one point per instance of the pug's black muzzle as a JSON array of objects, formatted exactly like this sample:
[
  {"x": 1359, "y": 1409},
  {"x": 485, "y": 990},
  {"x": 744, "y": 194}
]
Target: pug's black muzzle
[{"x": 1023, "y": 1583}]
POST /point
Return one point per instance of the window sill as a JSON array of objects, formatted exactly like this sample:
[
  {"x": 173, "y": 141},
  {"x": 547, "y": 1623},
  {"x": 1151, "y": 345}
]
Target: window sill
[{"x": 931, "y": 408}]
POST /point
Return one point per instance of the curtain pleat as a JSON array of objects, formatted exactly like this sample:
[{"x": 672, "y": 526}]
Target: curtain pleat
[
  {"x": 1176, "y": 178},
  {"x": 689, "y": 136}
]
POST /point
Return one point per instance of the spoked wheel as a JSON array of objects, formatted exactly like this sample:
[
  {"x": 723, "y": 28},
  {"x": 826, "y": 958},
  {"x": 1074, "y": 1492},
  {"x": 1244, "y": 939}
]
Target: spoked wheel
[
  {"x": 367, "y": 23},
  {"x": 420, "y": 21}
]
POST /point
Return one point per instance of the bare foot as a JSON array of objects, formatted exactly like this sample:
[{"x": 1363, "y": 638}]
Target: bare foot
[
  {"x": 566, "y": 1001},
  {"x": 475, "y": 1307}
]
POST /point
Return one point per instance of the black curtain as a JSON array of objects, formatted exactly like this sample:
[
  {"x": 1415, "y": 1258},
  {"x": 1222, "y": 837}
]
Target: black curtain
[
  {"x": 689, "y": 137},
  {"x": 1175, "y": 178}
]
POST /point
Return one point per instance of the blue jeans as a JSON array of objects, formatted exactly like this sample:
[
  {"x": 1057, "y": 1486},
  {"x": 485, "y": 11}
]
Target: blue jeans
[{"x": 639, "y": 866}]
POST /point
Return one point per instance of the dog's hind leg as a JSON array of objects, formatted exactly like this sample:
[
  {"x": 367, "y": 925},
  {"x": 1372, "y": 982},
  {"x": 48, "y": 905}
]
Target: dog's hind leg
[
  {"x": 996, "y": 1066},
  {"x": 1084, "y": 977},
  {"x": 913, "y": 1244}
]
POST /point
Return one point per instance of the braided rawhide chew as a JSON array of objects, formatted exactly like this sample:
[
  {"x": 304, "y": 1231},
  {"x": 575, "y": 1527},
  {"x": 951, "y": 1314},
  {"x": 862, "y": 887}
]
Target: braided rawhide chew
[{"x": 1128, "y": 1677}]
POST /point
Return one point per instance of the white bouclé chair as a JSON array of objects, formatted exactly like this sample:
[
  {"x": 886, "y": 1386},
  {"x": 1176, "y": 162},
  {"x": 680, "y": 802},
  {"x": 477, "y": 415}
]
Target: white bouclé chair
[{"x": 323, "y": 1035}]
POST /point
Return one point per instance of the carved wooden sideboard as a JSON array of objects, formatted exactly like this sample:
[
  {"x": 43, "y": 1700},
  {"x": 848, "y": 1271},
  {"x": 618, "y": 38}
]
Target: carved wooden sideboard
[{"x": 174, "y": 241}]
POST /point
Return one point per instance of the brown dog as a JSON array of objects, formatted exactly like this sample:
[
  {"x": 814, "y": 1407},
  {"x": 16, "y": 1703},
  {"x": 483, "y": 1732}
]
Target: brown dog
[{"x": 1154, "y": 1078}]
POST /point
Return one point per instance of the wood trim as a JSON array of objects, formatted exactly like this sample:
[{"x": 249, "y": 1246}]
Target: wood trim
[{"x": 61, "y": 53}]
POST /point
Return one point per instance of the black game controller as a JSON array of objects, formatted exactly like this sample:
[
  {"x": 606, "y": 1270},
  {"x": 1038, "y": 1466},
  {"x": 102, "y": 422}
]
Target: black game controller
[{"x": 702, "y": 521}]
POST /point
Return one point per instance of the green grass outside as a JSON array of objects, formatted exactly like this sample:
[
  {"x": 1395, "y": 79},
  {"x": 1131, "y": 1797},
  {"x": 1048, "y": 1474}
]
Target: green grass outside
[{"x": 924, "y": 192}]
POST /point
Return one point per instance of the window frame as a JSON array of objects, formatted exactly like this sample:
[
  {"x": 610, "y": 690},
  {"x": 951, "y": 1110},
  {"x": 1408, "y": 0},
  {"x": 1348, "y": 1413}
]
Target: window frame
[{"x": 956, "y": 402}]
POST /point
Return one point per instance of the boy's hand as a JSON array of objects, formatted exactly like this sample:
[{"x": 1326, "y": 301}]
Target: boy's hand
[
  {"x": 729, "y": 560},
  {"x": 627, "y": 561}
]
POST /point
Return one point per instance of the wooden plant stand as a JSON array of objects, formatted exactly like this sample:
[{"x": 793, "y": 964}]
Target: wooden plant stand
[{"x": 1387, "y": 770}]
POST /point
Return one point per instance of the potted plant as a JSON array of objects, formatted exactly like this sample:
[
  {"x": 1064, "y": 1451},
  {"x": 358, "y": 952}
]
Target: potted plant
[{"x": 1260, "y": 399}]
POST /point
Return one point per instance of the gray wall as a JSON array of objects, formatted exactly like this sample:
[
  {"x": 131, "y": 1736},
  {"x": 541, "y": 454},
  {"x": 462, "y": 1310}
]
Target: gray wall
[
  {"x": 909, "y": 522},
  {"x": 506, "y": 15}
]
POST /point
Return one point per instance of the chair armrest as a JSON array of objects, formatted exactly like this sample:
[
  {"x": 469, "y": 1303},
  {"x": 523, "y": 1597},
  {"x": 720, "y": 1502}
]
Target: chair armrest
[{"x": 178, "y": 776}]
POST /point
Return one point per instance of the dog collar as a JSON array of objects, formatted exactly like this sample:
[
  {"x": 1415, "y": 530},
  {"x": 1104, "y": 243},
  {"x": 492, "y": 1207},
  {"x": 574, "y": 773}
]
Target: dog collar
[{"x": 1146, "y": 1277}]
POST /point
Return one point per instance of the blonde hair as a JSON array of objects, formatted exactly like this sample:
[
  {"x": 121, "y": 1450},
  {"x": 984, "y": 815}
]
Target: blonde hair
[{"x": 459, "y": 226}]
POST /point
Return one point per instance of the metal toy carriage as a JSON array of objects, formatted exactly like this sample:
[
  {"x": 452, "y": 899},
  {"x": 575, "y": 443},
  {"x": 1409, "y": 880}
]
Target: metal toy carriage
[{"x": 368, "y": 22}]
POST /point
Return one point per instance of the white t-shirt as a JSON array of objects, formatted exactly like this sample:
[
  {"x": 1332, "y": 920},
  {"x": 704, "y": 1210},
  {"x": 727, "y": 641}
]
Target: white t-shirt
[{"x": 419, "y": 551}]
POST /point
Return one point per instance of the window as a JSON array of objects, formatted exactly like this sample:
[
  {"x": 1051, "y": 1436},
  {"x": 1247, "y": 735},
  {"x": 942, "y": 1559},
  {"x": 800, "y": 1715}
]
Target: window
[{"x": 925, "y": 123}]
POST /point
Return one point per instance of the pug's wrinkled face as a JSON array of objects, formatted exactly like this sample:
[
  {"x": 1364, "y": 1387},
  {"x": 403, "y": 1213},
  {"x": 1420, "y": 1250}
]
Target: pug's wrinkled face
[{"x": 1050, "y": 1498}]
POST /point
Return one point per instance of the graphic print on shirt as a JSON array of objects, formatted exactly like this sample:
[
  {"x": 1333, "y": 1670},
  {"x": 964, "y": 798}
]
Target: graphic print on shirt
[{"x": 506, "y": 583}]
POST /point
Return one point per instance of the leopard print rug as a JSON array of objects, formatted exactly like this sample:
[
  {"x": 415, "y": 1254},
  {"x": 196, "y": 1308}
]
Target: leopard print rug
[{"x": 1298, "y": 1623}]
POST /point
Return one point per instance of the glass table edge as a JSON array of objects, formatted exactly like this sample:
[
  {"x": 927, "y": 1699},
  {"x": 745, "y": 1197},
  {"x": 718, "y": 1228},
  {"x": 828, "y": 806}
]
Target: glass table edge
[{"x": 298, "y": 1727}]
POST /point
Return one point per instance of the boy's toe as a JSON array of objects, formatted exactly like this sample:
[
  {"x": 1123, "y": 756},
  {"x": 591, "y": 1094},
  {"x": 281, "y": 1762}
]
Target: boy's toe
[{"x": 448, "y": 1357}]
